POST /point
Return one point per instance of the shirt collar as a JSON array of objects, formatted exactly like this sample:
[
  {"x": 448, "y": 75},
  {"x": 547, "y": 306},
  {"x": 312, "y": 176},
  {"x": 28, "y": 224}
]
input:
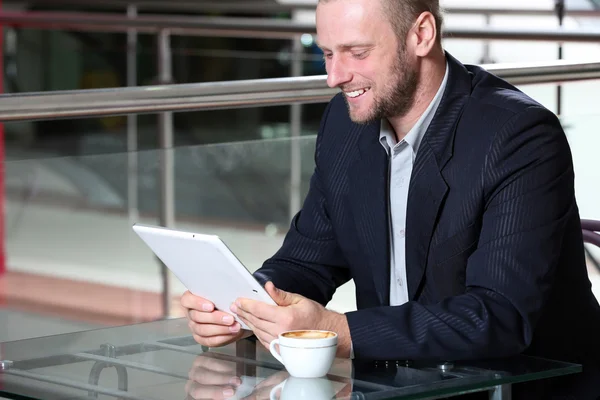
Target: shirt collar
[{"x": 414, "y": 137}]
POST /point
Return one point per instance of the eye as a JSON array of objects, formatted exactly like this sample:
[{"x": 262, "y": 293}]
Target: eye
[
  {"x": 327, "y": 56},
  {"x": 360, "y": 55}
]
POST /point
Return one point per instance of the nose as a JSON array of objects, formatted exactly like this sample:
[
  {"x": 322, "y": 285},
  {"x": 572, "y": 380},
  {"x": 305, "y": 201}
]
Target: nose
[{"x": 337, "y": 73}]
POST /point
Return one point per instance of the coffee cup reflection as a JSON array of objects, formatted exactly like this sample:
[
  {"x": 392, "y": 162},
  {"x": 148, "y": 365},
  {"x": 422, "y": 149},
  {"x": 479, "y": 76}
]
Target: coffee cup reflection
[
  {"x": 303, "y": 389},
  {"x": 306, "y": 353}
]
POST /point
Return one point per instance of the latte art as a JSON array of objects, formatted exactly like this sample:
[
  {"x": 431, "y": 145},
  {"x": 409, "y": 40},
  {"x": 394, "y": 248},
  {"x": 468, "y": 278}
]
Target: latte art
[{"x": 309, "y": 335}]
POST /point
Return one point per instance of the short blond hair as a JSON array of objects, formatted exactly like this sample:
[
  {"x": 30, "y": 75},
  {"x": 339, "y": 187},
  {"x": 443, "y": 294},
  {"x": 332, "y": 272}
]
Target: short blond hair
[{"x": 403, "y": 14}]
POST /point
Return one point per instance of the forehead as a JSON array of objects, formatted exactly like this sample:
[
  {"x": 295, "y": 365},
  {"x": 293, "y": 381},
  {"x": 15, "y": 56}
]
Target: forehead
[{"x": 350, "y": 20}]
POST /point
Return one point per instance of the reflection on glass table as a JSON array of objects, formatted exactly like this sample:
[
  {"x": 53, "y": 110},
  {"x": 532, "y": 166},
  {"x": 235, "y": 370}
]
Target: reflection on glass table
[{"x": 160, "y": 360}]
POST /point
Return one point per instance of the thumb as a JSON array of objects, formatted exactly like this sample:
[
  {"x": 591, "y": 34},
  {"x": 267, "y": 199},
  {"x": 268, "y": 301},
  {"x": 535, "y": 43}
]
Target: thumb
[{"x": 281, "y": 297}]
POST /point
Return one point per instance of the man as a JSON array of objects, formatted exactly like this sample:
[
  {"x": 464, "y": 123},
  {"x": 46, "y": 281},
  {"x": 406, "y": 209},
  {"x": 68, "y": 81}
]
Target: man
[{"x": 444, "y": 192}]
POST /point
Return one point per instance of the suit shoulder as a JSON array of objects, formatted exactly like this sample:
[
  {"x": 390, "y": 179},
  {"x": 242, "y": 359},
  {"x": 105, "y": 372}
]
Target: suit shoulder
[{"x": 492, "y": 99}]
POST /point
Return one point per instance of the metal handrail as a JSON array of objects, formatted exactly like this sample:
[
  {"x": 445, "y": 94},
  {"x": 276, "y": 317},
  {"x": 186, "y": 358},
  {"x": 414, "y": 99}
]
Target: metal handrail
[
  {"x": 176, "y": 25},
  {"x": 236, "y": 94},
  {"x": 253, "y": 27},
  {"x": 263, "y": 7},
  {"x": 548, "y": 35}
]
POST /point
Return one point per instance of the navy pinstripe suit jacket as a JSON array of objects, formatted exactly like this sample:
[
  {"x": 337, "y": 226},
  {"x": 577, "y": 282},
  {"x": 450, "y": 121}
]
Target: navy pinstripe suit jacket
[{"x": 494, "y": 251}]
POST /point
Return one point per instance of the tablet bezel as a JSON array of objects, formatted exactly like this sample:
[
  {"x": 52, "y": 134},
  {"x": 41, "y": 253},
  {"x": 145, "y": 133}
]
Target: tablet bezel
[{"x": 154, "y": 237}]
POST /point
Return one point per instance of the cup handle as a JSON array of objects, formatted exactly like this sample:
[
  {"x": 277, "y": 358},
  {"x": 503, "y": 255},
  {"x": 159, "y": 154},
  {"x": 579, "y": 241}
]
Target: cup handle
[
  {"x": 273, "y": 351},
  {"x": 275, "y": 389}
]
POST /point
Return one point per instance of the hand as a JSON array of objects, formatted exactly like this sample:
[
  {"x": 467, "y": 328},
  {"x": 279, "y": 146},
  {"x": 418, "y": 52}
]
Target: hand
[
  {"x": 210, "y": 327},
  {"x": 293, "y": 312},
  {"x": 211, "y": 378}
]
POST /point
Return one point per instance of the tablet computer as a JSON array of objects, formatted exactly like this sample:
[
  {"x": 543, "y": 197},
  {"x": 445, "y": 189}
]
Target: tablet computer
[{"x": 205, "y": 266}]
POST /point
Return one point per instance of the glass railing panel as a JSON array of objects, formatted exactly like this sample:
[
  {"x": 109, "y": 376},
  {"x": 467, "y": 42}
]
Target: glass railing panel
[
  {"x": 70, "y": 217},
  {"x": 107, "y": 135},
  {"x": 68, "y": 221},
  {"x": 63, "y": 256}
]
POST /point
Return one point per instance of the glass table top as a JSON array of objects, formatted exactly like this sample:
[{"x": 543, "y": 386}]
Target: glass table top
[{"x": 160, "y": 360}]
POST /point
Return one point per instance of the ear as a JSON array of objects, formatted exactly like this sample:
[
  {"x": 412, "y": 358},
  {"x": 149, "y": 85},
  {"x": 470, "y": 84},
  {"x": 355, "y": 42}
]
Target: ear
[{"x": 423, "y": 34}]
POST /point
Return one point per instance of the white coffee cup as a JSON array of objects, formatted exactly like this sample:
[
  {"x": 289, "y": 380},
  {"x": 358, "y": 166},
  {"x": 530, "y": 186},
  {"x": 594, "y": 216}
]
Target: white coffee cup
[
  {"x": 306, "y": 353},
  {"x": 304, "y": 389}
]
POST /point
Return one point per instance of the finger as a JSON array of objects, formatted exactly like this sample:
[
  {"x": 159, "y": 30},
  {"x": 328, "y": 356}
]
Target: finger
[
  {"x": 208, "y": 377},
  {"x": 262, "y": 329},
  {"x": 215, "y": 317},
  {"x": 257, "y": 320},
  {"x": 259, "y": 309},
  {"x": 208, "y": 362},
  {"x": 197, "y": 391},
  {"x": 209, "y": 330},
  {"x": 281, "y": 297},
  {"x": 257, "y": 332},
  {"x": 215, "y": 341},
  {"x": 265, "y": 337},
  {"x": 193, "y": 302},
  {"x": 273, "y": 380}
]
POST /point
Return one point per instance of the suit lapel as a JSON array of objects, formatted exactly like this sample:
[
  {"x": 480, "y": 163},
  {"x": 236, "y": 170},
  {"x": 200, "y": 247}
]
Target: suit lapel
[
  {"x": 428, "y": 189},
  {"x": 369, "y": 176},
  {"x": 426, "y": 193}
]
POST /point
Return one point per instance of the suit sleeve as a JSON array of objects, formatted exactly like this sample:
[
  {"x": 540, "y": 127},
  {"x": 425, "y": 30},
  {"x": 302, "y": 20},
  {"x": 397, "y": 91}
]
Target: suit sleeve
[
  {"x": 528, "y": 189},
  {"x": 309, "y": 262}
]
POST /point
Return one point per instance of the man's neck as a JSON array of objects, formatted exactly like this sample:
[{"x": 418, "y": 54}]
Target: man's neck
[{"x": 431, "y": 78}]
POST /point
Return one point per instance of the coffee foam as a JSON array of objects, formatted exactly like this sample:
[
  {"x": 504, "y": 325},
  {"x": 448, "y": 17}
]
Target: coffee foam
[{"x": 308, "y": 335}]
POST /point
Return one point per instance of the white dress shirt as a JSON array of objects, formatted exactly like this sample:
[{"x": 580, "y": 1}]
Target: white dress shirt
[{"x": 402, "y": 157}]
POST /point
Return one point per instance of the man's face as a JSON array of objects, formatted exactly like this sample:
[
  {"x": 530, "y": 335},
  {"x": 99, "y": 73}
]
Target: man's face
[{"x": 364, "y": 58}]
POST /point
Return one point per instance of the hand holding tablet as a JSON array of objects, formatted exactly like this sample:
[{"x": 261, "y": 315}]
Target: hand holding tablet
[
  {"x": 207, "y": 268},
  {"x": 211, "y": 327}
]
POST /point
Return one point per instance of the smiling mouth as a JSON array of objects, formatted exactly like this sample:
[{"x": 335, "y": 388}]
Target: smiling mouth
[{"x": 356, "y": 93}]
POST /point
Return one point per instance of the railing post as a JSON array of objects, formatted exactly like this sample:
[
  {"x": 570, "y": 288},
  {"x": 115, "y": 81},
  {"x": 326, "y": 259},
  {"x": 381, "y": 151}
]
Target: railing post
[
  {"x": 132, "y": 137},
  {"x": 2, "y": 191},
  {"x": 559, "y": 6},
  {"x": 486, "y": 58},
  {"x": 2, "y": 166},
  {"x": 295, "y": 133},
  {"x": 166, "y": 161},
  {"x": 132, "y": 140}
]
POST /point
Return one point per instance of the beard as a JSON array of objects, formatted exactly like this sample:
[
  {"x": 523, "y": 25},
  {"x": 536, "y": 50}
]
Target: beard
[{"x": 397, "y": 95}]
